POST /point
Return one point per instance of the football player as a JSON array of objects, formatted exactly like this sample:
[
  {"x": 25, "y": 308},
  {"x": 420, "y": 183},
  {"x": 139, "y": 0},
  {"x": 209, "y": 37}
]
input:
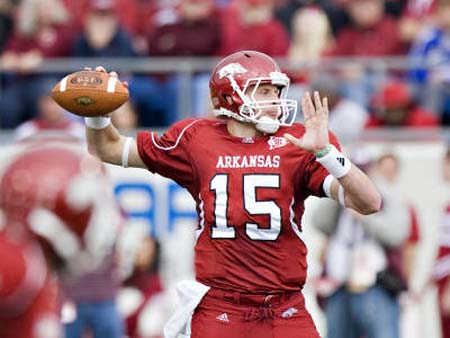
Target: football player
[
  {"x": 249, "y": 172},
  {"x": 57, "y": 215}
]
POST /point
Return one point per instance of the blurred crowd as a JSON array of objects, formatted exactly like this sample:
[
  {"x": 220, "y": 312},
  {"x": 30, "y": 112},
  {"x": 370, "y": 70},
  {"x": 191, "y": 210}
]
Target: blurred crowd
[{"x": 305, "y": 33}]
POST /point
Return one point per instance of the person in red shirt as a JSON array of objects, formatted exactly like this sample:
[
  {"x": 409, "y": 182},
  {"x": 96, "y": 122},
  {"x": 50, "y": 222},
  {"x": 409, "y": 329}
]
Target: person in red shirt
[
  {"x": 53, "y": 200},
  {"x": 395, "y": 107},
  {"x": 249, "y": 172},
  {"x": 371, "y": 33},
  {"x": 142, "y": 281},
  {"x": 250, "y": 24},
  {"x": 194, "y": 33}
]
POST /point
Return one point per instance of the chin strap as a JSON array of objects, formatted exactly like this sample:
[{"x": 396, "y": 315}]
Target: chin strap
[
  {"x": 229, "y": 113},
  {"x": 267, "y": 125},
  {"x": 264, "y": 124}
]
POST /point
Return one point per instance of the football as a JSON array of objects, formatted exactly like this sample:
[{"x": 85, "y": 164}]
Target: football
[{"x": 90, "y": 93}]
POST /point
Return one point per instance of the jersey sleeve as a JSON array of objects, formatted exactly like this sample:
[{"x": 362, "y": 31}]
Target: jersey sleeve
[
  {"x": 167, "y": 155},
  {"x": 315, "y": 173}
]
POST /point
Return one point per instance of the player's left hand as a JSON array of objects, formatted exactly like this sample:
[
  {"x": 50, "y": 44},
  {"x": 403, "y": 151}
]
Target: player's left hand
[{"x": 316, "y": 124}]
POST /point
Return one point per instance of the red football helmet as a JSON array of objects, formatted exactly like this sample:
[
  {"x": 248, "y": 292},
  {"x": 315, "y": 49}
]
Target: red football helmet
[
  {"x": 61, "y": 196},
  {"x": 231, "y": 78}
]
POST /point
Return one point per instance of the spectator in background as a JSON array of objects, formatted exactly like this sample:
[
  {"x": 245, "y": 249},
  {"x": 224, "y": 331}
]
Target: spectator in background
[
  {"x": 38, "y": 33},
  {"x": 389, "y": 168},
  {"x": 7, "y": 8},
  {"x": 362, "y": 263},
  {"x": 415, "y": 15},
  {"x": 251, "y": 25},
  {"x": 195, "y": 33},
  {"x": 336, "y": 15},
  {"x": 410, "y": 315},
  {"x": 77, "y": 10},
  {"x": 51, "y": 117},
  {"x": 441, "y": 273},
  {"x": 90, "y": 302},
  {"x": 430, "y": 56},
  {"x": 394, "y": 106},
  {"x": 139, "y": 18},
  {"x": 307, "y": 45},
  {"x": 141, "y": 288},
  {"x": 135, "y": 16},
  {"x": 371, "y": 33},
  {"x": 347, "y": 118},
  {"x": 103, "y": 35}
]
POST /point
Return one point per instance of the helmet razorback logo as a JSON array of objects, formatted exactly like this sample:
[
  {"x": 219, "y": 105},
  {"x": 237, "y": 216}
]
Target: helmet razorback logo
[{"x": 231, "y": 69}]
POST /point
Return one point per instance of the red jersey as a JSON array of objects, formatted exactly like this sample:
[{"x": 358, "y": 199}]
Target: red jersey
[
  {"x": 249, "y": 194},
  {"x": 28, "y": 297}
]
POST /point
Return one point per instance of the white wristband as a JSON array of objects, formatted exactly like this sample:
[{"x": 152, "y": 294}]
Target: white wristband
[
  {"x": 126, "y": 152},
  {"x": 99, "y": 122},
  {"x": 335, "y": 162}
]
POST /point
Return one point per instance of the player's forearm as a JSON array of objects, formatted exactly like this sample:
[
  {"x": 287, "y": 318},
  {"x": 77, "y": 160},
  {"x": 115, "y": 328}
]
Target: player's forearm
[
  {"x": 106, "y": 143},
  {"x": 360, "y": 193},
  {"x": 350, "y": 186}
]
